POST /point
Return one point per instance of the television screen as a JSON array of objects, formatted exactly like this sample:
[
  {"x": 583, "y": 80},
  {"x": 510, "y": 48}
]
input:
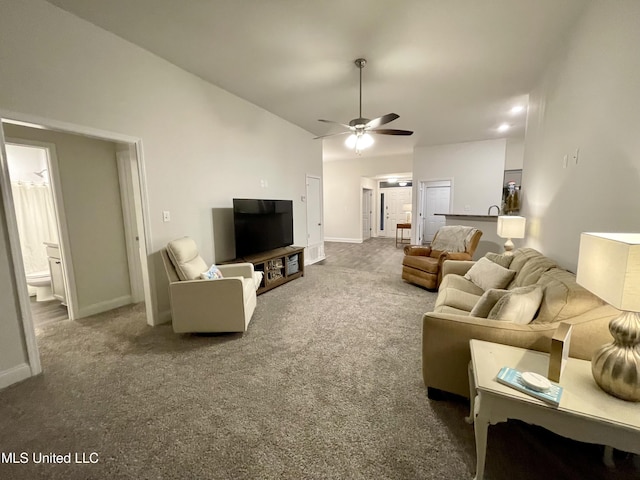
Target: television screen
[{"x": 262, "y": 225}]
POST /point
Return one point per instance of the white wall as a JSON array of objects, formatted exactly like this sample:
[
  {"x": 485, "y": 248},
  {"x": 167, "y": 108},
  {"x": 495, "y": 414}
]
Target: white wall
[
  {"x": 476, "y": 169},
  {"x": 588, "y": 99},
  {"x": 93, "y": 210},
  {"x": 343, "y": 183},
  {"x": 514, "y": 157},
  {"x": 24, "y": 162},
  {"x": 202, "y": 146}
]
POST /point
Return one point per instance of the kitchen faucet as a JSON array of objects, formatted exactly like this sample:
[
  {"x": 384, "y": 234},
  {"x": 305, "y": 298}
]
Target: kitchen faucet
[{"x": 489, "y": 211}]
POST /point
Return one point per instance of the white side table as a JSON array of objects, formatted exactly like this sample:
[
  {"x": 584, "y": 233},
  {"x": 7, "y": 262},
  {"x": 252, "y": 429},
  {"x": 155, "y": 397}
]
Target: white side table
[{"x": 586, "y": 413}]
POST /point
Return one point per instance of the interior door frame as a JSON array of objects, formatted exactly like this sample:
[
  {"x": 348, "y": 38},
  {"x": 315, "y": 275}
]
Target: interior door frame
[
  {"x": 17, "y": 268},
  {"x": 64, "y": 241}
]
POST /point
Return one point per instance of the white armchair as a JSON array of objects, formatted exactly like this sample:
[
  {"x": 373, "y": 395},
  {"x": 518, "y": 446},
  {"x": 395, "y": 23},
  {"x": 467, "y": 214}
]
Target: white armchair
[{"x": 221, "y": 305}]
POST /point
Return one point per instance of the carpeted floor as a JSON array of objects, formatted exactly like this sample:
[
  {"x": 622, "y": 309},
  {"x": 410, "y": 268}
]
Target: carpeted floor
[{"x": 325, "y": 384}]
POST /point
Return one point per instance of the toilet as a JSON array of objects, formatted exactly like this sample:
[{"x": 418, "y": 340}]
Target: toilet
[{"x": 41, "y": 283}]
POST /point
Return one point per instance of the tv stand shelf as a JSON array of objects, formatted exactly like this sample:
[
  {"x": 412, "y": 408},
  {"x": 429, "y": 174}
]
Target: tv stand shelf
[{"x": 279, "y": 266}]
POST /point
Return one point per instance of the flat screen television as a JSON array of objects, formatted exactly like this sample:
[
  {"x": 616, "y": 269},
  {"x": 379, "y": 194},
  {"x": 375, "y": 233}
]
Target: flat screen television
[{"x": 262, "y": 225}]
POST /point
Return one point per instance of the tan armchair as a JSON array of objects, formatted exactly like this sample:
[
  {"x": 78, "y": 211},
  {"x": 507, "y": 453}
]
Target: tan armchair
[
  {"x": 197, "y": 305},
  {"x": 422, "y": 265}
]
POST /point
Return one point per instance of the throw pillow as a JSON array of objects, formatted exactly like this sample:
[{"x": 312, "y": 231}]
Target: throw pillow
[
  {"x": 518, "y": 306},
  {"x": 212, "y": 274},
  {"x": 501, "y": 259},
  {"x": 486, "y": 274},
  {"x": 487, "y": 302}
]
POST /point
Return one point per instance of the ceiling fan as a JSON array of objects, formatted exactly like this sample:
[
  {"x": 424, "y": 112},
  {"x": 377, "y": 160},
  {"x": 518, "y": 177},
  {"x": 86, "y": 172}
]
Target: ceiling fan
[{"x": 361, "y": 128}]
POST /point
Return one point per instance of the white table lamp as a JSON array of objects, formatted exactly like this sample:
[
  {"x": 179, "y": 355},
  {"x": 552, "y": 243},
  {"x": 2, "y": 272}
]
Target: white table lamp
[
  {"x": 407, "y": 209},
  {"x": 510, "y": 226},
  {"x": 609, "y": 267}
]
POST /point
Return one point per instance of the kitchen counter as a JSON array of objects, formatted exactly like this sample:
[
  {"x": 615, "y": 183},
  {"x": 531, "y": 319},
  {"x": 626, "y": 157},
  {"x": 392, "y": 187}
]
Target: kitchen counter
[{"x": 468, "y": 215}]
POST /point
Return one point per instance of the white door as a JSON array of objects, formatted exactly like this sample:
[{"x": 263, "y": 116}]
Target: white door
[
  {"x": 128, "y": 176},
  {"x": 367, "y": 196},
  {"x": 437, "y": 199},
  {"x": 391, "y": 201},
  {"x": 315, "y": 243}
]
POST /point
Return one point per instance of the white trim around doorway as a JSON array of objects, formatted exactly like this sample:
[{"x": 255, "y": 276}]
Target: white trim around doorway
[{"x": 18, "y": 273}]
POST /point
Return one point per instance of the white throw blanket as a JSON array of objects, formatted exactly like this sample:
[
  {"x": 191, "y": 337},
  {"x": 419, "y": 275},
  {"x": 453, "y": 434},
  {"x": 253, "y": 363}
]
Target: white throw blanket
[{"x": 453, "y": 238}]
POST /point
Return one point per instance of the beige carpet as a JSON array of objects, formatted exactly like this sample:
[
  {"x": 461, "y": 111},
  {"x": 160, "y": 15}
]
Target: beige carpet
[{"x": 325, "y": 384}]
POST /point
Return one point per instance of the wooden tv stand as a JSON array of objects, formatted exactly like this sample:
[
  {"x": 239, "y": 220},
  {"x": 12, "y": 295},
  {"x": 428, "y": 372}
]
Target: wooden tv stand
[{"x": 279, "y": 266}]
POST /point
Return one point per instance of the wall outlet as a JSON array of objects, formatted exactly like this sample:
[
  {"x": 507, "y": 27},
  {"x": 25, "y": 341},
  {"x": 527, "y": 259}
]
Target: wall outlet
[
  {"x": 467, "y": 208},
  {"x": 166, "y": 216}
]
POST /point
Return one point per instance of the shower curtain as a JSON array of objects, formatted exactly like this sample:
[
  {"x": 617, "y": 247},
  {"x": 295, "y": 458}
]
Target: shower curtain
[{"x": 36, "y": 223}]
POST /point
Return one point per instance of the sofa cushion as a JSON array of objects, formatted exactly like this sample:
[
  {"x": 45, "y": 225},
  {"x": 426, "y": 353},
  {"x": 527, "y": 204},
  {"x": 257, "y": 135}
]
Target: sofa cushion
[
  {"x": 448, "y": 309},
  {"x": 186, "y": 259},
  {"x": 519, "y": 305},
  {"x": 487, "y": 274},
  {"x": 460, "y": 283},
  {"x": 501, "y": 259},
  {"x": 452, "y": 297},
  {"x": 563, "y": 297},
  {"x": 529, "y": 265},
  {"x": 487, "y": 301}
]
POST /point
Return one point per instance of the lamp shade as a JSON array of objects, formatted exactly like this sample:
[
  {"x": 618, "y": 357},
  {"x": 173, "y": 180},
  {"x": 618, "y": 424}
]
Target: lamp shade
[
  {"x": 609, "y": 267},
  {"x": 359, "y": 141},
  {"x": 511, "y": 226}
]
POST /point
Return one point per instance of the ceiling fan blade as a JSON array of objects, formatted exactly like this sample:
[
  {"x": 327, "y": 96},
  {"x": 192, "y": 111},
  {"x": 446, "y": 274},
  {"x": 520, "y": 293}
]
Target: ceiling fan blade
[
  {"x": 335, "y": 123},
  {"x": 391, "y": 131},
  {"x": 377, "y": 122},
  {"x": 331, "y": 135}
]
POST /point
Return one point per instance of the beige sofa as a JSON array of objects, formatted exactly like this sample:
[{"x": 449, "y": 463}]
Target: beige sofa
[{"x": 447, "y": 330}]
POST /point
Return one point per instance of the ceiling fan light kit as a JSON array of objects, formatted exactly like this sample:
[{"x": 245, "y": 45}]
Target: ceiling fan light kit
[
  {"x": 359, "y": 142},
  {"x": 361, "y": 128}
]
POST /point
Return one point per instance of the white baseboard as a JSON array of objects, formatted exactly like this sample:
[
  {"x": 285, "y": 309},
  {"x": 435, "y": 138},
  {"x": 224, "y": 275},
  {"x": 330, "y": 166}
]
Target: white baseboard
[
  {"x": 104, "y": 306},
  {"x": 315, "y": 260},
  {"x": 14, "y": 375},
  {"x": 343, "y": 240}
]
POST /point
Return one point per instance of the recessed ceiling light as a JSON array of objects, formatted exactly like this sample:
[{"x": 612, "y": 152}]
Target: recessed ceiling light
[
  {"x": 503, "y": 127},
  {"x": 517, "y": 109}
]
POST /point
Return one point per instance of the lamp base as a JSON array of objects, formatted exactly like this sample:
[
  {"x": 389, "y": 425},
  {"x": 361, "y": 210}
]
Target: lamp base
[
  {"x": 616, "y": 366},
  {"x": 508, "y": 247}
]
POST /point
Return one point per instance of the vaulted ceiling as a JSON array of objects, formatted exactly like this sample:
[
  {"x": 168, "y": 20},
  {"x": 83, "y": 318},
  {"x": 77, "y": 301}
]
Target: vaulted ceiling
[{"x": 451, "y": 69}]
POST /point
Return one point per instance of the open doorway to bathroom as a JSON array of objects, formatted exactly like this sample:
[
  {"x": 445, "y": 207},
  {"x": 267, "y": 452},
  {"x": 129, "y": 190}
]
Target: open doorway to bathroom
[
  {"x": 38, "y": 230},
  {"x": 95, "y": 246},
  {"x": 99, "y": 196}
]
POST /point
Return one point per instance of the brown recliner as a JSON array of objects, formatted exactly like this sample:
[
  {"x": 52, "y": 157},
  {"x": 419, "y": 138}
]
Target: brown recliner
[{"x": 422, "y": 265}]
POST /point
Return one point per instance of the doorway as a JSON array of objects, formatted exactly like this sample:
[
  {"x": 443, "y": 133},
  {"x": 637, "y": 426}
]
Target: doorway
[
  {"x": 435, "y": 199},
  {"x": 392, "y": 201},
  {"x": 367, "y": 213},
  {"x": 30, "y": 167},
  {"x": 315, "y": 237},
  {"x": 140, "y": 209}
]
